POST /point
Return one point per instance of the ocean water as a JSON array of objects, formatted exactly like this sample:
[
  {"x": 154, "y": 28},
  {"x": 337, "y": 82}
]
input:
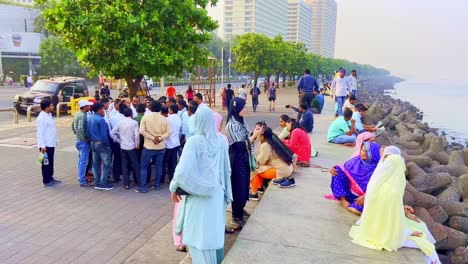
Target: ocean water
[{"x": 445, "y": 105}]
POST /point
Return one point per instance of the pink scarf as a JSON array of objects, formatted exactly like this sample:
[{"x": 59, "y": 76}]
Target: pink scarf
[{"x": 363, "y": 137}]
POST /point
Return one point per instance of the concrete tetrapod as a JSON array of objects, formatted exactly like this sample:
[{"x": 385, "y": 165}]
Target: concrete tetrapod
[
  {"x": 464, "y": 186},
  {"x": 437, "y": 150},
  {"x": 459, "y": 223},
  {"x": 459, "y": 256},
  {"x": 416, "y": 198},
  {"x": 425, "y": 182}
]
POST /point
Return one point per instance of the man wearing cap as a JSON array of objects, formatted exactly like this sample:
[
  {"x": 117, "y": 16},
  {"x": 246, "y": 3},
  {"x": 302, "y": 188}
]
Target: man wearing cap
[
  {"x": 340, "y": 89},
  {"x": 80, "y": 129}
]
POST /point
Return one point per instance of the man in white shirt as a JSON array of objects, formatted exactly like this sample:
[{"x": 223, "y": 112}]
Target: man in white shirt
[
  {"x": 198, "y": 98},
  {"x": 127, "y": 134},
  {"x": 352, "y": 79},
  {"x": 183, "y": 114},
  {"x": 340, "y": 89},
  {"x": 114, "y": 121},
  {"x": 349, "y": 104},
  {"x": 114, "y": 108},
  {"x": 47, "y": 141},
  {"x": 29, "y": 80},
  {"x": 173, "y": 141},
  {"x": 242, "y": 92},
  {"x": 133, "y": 105}
]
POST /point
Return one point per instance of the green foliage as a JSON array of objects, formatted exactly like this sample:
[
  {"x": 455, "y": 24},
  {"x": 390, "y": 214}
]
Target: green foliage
[
  {"x": 131, "y": 38},
  {"x": 259, "y": 54},
  {"x": 56, "y": 59}
]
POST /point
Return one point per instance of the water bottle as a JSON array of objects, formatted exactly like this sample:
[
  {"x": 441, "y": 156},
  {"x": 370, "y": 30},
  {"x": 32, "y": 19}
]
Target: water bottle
[{"x": 46, "y": 159}]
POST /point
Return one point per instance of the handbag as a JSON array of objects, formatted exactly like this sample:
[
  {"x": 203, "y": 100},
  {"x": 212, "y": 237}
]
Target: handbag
[{"x": 252, "y": 161}]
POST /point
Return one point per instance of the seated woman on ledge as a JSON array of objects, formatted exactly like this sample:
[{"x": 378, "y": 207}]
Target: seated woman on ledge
[
  {"x": 360, "y": 140},
  {"x": 299, "y": 142},
  {"x": 384, "y": 223},
  {"x": 349, "y": 182},
  {"x": 274, "y": 161}
]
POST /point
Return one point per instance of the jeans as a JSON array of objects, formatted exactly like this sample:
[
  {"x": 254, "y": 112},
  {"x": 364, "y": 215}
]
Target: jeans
[
  {"x": 48, "y": 170},
  {"x": 116, "y": 161},
  {"x": 157, "y": 156},
  {"x": 101, "y": 153},
  {"x": 170, "y": 161},
  {"x": 344, "y": 139},
  {"x": 83, "y": 156},
  {"x": 130, "y": 157},
  {"x": 340, "y": 101},
  {"x": 354, "y": 92}
]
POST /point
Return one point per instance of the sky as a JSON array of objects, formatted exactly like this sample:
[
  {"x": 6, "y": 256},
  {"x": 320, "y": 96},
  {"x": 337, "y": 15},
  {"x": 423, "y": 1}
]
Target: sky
[{"x": 424, "y": 40}]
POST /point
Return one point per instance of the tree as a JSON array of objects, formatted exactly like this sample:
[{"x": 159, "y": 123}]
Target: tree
[
  {"x": 57, "y": 59},
  {"x": 132, "y": 38},
  {"x": 253, "y": 54}
]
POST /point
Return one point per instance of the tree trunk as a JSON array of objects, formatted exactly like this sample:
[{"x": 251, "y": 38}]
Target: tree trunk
[
  {"x": 256, "y": 75},
  {"x": 277, "y": 79},
  {"x": 133, "y": 85},
  {"x": 284, "y": 80}
]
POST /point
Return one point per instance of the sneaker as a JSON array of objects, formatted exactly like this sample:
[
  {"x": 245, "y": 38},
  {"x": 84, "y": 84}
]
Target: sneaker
[
  {"x": 141, "y": 190},
  {"x": 49, "y": 185},
  {"x": 279, "y": 181},
  {"x": 261, "y": 190},
  {"x": 106, "y": 187},
  {"x": 56, "y": 181},
  {"x": 253, "y": 197},
  {"x": 288, "y": 183},
  {"x": 97, "y": 186}
]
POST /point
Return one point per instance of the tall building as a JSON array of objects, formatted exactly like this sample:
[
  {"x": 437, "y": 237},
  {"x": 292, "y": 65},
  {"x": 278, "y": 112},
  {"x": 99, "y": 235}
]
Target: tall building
[
  {"x": 267, "y": 17},
  {"x": 216, "y": 13},
  {"x": 323, "y": 27},
  {"x": 299, "y": 23}
]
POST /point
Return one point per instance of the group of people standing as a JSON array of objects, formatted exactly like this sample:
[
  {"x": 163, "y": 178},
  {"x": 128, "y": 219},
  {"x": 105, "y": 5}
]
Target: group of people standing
[{"x": 228, "y": 93}]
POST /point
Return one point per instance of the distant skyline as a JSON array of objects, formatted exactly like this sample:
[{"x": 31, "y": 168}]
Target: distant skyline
[{"x": 417, "y": 39}]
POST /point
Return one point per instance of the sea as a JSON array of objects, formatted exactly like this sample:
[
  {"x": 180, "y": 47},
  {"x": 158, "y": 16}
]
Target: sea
[{"x": 444, "y": 104}]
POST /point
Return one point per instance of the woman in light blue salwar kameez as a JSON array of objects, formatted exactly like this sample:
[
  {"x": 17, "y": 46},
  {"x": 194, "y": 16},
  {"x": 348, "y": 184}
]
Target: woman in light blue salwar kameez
[{"x": 204, "y": 173}]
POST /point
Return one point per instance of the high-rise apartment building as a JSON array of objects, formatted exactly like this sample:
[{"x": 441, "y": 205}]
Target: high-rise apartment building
[
  {"x": 299, "y": 23},
  {"x": 323, "y": 27},
  {"x": 267, "y": 17}
]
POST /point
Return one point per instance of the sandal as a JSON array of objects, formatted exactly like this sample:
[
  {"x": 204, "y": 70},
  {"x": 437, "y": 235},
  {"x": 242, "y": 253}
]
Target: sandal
[{"x": 181, "y": 249}]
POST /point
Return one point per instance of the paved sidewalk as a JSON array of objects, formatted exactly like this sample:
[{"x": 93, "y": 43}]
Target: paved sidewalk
[{"x": 299, "y": 225}]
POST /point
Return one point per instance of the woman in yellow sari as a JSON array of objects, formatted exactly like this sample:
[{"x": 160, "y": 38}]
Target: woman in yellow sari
[{"x": 383, "y": 224}]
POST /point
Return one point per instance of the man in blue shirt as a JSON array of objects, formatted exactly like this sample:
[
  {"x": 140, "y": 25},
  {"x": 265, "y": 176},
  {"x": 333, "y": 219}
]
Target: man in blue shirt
[
  {"x": 100, "y": 146},
  {"x": 307, "y": 117},
  {"x": 306, "y": 86}
]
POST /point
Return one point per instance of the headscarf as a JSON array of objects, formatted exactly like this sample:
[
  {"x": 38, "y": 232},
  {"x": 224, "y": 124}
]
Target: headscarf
[
  {"x": 361, "y": 170},
  {"x": 235, "y": 107},
  {"x": 236, "y": 129},
  {"x": 361, "y": 138},
  {"x": 204, "y": 164},
  {"x": 383, "y": 222},
  {"x": 391, "y": 150}
]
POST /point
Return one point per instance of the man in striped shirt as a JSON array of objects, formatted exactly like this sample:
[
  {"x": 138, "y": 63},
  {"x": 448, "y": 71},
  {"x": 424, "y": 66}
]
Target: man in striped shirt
[{"x": 80, "y": 129}]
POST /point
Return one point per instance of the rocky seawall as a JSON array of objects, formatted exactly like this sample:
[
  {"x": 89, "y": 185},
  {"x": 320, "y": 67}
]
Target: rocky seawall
[{"x": 437, "y": 172}]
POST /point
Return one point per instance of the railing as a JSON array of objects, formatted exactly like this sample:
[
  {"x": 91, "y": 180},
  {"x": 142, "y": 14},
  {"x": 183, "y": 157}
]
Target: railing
[
  {"x": 28, "y": 111},
  {"x": 11, "y": 109},
  {"x": 59, "y": 106}
]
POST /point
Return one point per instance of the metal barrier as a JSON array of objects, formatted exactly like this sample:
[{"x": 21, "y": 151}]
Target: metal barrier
[
  {"x": 11, "y": 109},
  {"x": 59, "y": 105},
  {"x": 28, "y": 111}
]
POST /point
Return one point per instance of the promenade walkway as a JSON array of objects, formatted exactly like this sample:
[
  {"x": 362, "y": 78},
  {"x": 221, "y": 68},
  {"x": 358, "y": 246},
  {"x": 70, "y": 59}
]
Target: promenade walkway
[{"x": 299, "y": 225}]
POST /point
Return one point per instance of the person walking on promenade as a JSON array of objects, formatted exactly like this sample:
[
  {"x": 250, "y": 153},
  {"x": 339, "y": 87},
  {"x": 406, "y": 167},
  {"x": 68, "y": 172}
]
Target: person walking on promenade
[
  {"x": 203, "y": 172},
  {"x": 340, "y": 89},
  {"x": 223, "y": 97},
  {"x": 306, "y": 86},
  {"x": 243, "y": 92},
  {"x": 100, "y": 146},
  {"x": 271, "y": 94},
  {"x": 255, "y": 92},
  {"x": 352, "y": 79},
  {"x": 189, "y": 93},
  {"x": 229, "y": 95},
  {"x": 171, "y": 91},
  {"x": 80, "y": 129},
  {"x": 240, "y": 147},
  {"x": 126, "y": 133},
  {"x": 47, "y": 141},
  {"x": 155, "y": 128}
]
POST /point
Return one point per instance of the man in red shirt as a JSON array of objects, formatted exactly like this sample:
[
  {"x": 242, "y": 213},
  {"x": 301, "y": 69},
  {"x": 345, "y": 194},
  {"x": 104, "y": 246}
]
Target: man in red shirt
[{"x": 171, "y": 91}]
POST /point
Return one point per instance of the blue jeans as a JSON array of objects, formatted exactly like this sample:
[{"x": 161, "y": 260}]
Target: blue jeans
[
  {"x": 344, "y": 139},
  {"x": 340, "y": 101},
  {"x": 102, "y": 154},
  {"x": 158, "y": 157},
  {"x": 354, "y": 92},
  {"x": 83, "y": 156}
]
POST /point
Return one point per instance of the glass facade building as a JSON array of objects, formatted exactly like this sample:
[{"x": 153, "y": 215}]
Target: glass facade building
[{"x": 299, "y": 23}]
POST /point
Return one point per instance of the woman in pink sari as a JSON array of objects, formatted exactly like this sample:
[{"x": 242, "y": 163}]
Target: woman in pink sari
[
  {"x": 361, "y": 138},
  {"x": 349, "y": 181}
]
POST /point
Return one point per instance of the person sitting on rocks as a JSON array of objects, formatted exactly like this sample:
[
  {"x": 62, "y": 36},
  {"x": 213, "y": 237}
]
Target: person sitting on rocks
[
  {"x": 360, "y": 127},
  {"x": 349, "y": 181},
  {"x": 299, "y": 142},
  {"x": 274, "y": 161},
  {"x": 389, "y": 229},
  {"x": 340, "y": 132}
]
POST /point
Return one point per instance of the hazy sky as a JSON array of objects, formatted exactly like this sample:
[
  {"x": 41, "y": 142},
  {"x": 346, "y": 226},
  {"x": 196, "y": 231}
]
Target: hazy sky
[{"x": 415, "y": 39}]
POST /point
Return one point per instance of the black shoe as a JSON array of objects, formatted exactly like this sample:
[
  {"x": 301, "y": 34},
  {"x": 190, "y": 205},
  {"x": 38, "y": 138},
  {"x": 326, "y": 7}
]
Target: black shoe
[
  {"x": 246, "y": 214},
  {"x": 261, "y": 190},
  {"x": 253, "y": 197},
  {"x": 56, "y": 181}
]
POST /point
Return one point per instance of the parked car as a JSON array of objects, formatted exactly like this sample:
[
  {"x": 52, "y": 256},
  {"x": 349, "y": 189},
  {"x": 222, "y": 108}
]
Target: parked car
[{"x": 57, "y": 89}]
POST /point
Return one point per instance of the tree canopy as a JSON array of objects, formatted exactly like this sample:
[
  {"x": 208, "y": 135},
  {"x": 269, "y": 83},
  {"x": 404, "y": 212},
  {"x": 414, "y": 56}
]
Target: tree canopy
[
  {"x": 131, "y": 38},
  {"x": 258, "y": 54},
  {"x": 57, "y": 59}
]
